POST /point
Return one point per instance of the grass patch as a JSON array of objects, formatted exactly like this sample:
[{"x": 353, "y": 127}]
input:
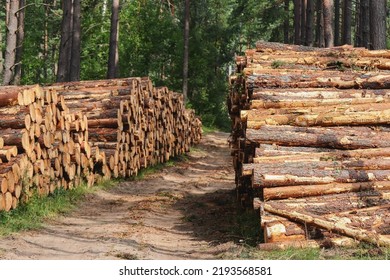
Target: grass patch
[
  {"x": 33, "y": 214},
  {"x": 209, "y": 129},
  {"x": 158, "y": 167}
]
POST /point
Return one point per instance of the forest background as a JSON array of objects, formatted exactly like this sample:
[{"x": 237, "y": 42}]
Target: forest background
[{"x": 44, "y": 41}]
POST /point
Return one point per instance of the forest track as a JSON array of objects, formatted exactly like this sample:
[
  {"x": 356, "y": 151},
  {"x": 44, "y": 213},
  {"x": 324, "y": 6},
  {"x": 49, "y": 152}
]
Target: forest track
[{"x": 184, "y": 211}]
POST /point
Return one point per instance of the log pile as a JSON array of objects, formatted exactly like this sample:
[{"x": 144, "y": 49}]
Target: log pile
[
  {"x": 60, "y": 135},
  {"x": 310, "y": 142}
]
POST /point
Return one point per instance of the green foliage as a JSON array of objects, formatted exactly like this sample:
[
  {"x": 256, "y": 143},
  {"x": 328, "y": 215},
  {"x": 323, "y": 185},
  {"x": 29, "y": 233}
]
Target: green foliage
[{"x": 151, "y": 43}]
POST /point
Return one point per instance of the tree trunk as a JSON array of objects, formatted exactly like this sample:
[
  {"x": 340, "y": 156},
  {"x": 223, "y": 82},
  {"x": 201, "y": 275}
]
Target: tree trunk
[
  {"x": 63, "y": 73},
  {"x": 10, "y": 52},
  {"x": 347, "y": 23},
  {"x": 186, "y": 49},
  {"x": 75, "y": 51},
  {"x": 358, "y": 25},
  {"x": 365, "y": 22},
  {"x": 320, "y": 190},
  {"x": 1, "y": 55},
  {"x": 309, "y": 22},
  {"x": 336, "y": 22},
  {"x": 113, "y": 57},
  {"x": 339, "y": 227},
  {"x": 320, "y": 25},
  {"x": 286, "y": 23},
  {"x": 378, "y": 24},
  {"x": 303, "y": 21},
  {"x": 297, "y": 22},
  {"x": 347, "y": 138},
  {"x": 20, "y": 39},
  {"x": 328, "y": 22}
]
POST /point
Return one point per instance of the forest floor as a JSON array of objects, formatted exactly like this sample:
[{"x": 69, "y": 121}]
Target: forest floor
[{"x": 186, "y": 210}]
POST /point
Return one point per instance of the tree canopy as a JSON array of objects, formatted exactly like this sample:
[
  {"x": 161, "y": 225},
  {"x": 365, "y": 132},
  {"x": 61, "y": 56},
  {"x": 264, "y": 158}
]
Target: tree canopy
[{"x": 151, "y": 41}]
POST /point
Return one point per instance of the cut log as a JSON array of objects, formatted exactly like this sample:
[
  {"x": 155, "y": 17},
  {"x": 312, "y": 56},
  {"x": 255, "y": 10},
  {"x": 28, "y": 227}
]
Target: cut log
[
  {"x": 320, "y": 190},
  {"x": 338, "y": 227},
  {"x": 262, "y": 177},
  {"x": 340, "y": 137},
  {"x": 285, "y": 153},
  {"x": 324, "y": 79}
]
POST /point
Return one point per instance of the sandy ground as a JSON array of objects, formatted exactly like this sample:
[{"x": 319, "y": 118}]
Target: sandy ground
[{"x": 184, "y": 211}]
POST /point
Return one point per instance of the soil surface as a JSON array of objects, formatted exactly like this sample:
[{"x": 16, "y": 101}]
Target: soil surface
[{"x": 183, "y": 211}]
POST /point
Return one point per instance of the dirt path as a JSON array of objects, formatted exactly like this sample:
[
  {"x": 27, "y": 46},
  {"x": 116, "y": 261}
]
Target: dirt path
[{"x": 184, "y": 211}]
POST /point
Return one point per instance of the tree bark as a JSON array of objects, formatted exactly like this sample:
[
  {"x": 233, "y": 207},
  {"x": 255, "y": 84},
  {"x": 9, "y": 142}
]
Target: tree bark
[
  {"x": 320, "y": 190},
  {"x": 378, "y": 24},
  {"x": 11, "y": 44},
  {"x": 63, "y": 73},
  {"x": 186, "y": 49},
  {"x": 365, "y": 22},
  {"x": 328, "y": 7},
  {"x": 303, "y": 21},
  {"x": 76, "y": 44},
  {"x": 358, "y": 24},
  {"x": 20, "y": 40},
  {"x": 113, "y": 57},
  {"x": 347, "y": 23},
  {"x": 336, "y": 22},
  {"x": 347, "y": 138},
  {"x": 286, "y": 23},
  {"x": 297, "y": 22},
  {"x": 320, "y": 25},
  {"x": 359, "y": 234},
  {"x": 309, "y": 22}
]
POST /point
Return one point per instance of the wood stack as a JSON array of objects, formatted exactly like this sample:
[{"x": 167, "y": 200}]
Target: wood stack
[
  {"x": 60, "y": 135},
  {"x": 131, "y": 124},
  {"x": 310, "y": 141},
  {"x": 34, "y": 145}
]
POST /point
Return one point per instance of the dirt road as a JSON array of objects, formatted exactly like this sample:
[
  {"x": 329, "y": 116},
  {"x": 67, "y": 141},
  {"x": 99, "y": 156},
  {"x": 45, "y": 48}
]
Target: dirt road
[{"x": 184, "y": 211}]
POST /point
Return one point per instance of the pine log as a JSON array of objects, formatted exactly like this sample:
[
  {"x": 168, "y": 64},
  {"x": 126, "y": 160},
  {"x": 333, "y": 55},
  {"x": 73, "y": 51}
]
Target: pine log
[
  {"x": 322, "y": 119},
  {"x": 345, "y": 51},
  {"x": 335, "y": 137},
  {"x": 103, "y": 135},
  {"x": 286, "y": 152},
  {"x": 283, "y": 102},
  {"x": 17, "y": 137},
  {"x": 324, "y": 164},
  {"x": 7, "y": 152},
  {"x": 338, "y": 227},
  {"x": 263, "y": 177},
  {"x": 320, "y": 190},
  {"x": 319, "y": 79}
]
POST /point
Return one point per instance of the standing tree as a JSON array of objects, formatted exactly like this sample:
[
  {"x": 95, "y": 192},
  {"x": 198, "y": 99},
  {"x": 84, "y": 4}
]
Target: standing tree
[
  {"x": 113, "y": 56},
  {"x": 378, "y": 24},
  {"x": 297, "y": 22},
  {"x": 76, "y": 47},
  {"x": 20, "y": 40},
  {"x": 309, "y": 22},
  {"x": 365, "y": 22},
  {"x": 336, "y": 22},
  {"x": 63, "y": 72},
  {"x": 69, "y": 57},
  {"x": 320, "y": 24},
  {"x": 328, "y": 22},
  {"x": 10, "y": 52},
  {"x": 186, "y": 48},
  {"x": 347, "y": 23},
  {"x": 303, "y": 21},
  {"x": 286, "y": 23}
]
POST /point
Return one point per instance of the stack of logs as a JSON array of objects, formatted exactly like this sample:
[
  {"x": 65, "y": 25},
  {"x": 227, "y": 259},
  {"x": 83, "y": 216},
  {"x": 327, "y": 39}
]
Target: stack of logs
[
  {"x": 60, "y": 135},
  {"x": 311, "y": 143}
]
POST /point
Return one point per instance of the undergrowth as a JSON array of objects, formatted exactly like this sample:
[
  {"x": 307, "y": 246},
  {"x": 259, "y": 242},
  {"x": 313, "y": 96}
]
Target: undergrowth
[{"x": 39, "y": 209}]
